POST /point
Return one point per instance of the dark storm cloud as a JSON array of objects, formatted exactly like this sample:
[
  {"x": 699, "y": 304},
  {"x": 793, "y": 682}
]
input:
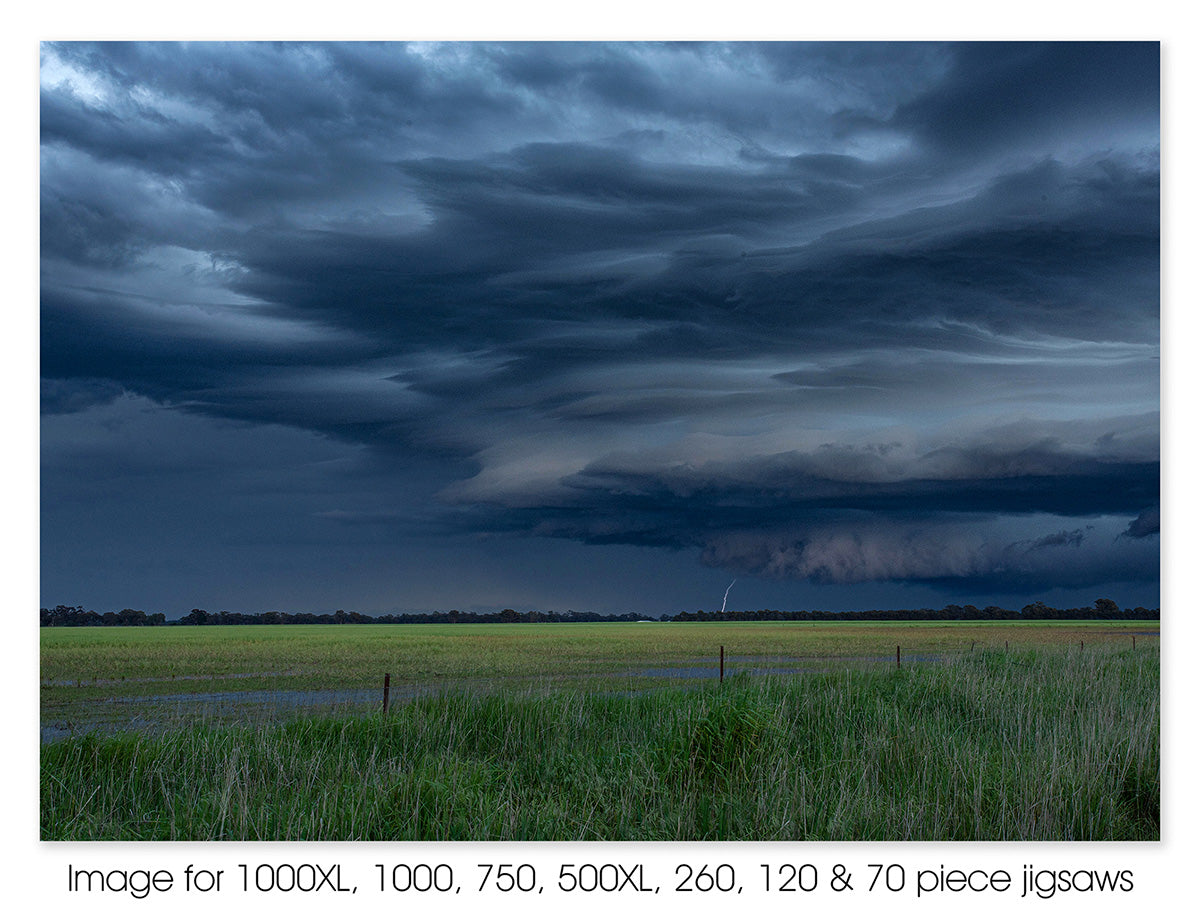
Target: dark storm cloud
[
  {"x": 960, "y": 557},
  {"x": 1145, "y": 524},
  {"x": 1062, "y": 538},
  {"x": 1017, "y": 94},
  {"x": 837, "y": 312},
  {"x": 61, "y": 397}
]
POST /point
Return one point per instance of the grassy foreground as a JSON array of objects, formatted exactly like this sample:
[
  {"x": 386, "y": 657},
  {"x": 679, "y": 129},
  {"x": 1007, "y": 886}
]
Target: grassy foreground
[{"x": 1039, "y": 744}]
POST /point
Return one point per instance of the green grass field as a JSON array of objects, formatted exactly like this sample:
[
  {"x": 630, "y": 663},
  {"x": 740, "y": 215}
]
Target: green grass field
[
  {"x": 330, "y": 657},
  {"x": 574, "y": 732}
]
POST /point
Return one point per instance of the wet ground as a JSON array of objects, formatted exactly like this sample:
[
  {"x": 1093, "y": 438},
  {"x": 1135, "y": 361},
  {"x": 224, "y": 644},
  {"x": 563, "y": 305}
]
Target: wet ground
[
  {"x": 161, "y": 711},
  {"x": 151, "y": 713}
]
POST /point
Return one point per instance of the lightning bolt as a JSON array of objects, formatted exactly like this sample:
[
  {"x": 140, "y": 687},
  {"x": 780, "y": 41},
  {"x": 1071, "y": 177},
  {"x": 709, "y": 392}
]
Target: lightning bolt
[{"x": 731, "y": 583}]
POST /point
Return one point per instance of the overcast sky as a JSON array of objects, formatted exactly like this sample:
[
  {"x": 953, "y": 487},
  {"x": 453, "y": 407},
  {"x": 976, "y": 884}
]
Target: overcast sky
[{"x": 599, "y": 327}]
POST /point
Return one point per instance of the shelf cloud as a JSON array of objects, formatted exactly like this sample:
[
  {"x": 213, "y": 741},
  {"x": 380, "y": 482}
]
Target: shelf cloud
[{"x": 829, "y": 314}]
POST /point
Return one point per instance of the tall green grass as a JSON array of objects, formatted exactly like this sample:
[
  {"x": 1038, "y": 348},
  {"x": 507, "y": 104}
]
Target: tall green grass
[{"x": 1021, "y": 746}]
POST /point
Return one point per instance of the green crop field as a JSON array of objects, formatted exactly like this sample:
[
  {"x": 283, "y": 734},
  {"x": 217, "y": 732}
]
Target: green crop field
[{"x": 610, "y": 731}]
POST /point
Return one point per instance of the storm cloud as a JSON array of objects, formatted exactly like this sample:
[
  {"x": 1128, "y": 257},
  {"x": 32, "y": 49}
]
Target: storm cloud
[{"x": 825, "y": 314}]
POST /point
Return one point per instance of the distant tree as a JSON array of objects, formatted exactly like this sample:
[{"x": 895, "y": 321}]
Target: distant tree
[
  {"x": 1107, "y": 609},
  {"x": 69, "y": 616},
  {"x": 131, "y": 617}
]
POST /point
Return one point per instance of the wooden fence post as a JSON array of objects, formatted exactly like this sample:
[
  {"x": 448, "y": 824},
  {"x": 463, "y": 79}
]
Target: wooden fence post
[
  {"x": 722, "y": 678},
  {"x": 897, "y": 657},
  {"x": 387, "y": 679}
]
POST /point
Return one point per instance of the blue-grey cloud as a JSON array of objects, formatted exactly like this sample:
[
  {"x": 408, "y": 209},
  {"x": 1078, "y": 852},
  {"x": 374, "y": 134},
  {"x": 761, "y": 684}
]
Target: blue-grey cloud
[
  {"x": 1144, "y": 524},
  {"x": 835, "y": 312}
]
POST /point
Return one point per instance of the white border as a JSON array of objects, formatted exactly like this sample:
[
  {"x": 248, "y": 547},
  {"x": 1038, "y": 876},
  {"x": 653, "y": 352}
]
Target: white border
[{"x": 35, "y": 870}]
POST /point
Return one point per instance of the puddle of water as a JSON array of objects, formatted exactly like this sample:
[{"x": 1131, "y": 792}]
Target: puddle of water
[
  {"x": 279, "y": 698},
  {"x": 752, "y": 659},
  {"x": 779, "y": 666},
  {"x": 148, "y": 714},
  {"x": 170, "y": 679},
  {"x": 712, "y": 673},
  {"x": 152, "y": 713},
  {"x": 158, "y": 712}
]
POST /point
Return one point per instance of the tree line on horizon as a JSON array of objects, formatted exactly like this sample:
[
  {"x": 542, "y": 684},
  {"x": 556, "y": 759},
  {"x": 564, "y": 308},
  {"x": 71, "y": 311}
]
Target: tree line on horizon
[{"x": 77, "y": 616}]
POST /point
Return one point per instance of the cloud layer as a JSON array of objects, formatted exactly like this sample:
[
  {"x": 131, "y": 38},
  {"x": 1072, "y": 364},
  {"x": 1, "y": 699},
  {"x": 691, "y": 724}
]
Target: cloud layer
[{"x": 832, "y": 313}]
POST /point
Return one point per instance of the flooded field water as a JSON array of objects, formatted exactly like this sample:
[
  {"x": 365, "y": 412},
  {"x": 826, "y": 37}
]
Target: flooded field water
[
  {"x": 154, "y": 704},
  {"x": 160, "y": 711}
]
